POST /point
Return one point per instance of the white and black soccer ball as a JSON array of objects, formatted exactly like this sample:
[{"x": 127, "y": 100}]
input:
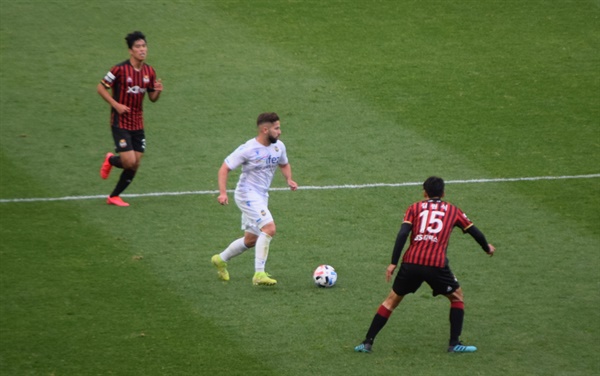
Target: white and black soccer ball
[{"x": 325, "y": 276}]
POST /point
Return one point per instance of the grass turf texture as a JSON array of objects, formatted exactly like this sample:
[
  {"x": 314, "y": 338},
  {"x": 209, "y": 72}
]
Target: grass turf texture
[{"x": 369, "y": 92}]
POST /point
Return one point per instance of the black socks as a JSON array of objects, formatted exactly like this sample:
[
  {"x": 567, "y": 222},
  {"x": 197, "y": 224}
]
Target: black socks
[
  {"x": 124, "y": 181},
  {"x": 379, "y": 321},
  {"x": 457, "y": 315},
  {"x": 115, "y": 160}
]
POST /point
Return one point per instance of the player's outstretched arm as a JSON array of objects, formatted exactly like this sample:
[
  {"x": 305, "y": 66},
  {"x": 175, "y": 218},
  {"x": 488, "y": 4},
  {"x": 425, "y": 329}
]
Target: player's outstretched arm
[
  {"x": 480, "y": 238},
  {"x": 158, "y": 88},
  {"x": 400, "y": 241},
  {"x": 389, "y": 272},
  {"x": 286, "y": 170},
  {"x": 222, "y": 179},
  {"x": 105, "y": 94}
]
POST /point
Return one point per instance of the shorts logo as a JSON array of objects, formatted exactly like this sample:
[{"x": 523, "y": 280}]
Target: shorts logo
[
  {"x": 263, "y": 213},
  {"x": 122, "y": 143}
]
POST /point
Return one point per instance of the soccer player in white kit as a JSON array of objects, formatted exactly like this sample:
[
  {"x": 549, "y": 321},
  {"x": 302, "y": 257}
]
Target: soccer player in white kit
[{"x": 259, "y": 158}]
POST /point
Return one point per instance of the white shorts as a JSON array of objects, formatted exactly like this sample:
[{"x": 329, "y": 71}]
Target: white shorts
[{"x": 255, "y": 211}]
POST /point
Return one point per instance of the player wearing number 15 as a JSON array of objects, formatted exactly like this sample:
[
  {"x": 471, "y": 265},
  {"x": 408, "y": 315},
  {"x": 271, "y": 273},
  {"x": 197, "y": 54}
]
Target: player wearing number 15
[{"x": 429, "y": 224}]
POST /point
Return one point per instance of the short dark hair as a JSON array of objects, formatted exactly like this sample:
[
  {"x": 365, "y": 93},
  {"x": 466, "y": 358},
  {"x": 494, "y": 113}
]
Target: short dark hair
[
  {"x": 434, "y": 187},
  {"x": 134, "y": 36},
  {"x": 267, "y": 117}
]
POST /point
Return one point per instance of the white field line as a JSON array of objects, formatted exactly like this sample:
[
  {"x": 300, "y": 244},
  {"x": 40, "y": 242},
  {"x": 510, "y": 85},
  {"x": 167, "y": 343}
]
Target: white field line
[{"x": 346, "y": 186}]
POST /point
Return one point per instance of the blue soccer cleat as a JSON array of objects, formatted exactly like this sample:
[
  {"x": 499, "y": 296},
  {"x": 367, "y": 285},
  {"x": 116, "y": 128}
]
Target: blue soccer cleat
[
  {"x": 460, "y": 348},
  {"x": 364, "y": 347}
]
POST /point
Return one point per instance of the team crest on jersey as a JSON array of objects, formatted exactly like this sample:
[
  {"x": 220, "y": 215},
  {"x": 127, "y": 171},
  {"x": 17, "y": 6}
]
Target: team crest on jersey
[
  {"x": 122, "y": 143},
  {"x": 129, "y": 80},
  {"x": 263, "y": 213},
  {"x": 276, "y": 149},
  {"x": 146, "y": 79}
]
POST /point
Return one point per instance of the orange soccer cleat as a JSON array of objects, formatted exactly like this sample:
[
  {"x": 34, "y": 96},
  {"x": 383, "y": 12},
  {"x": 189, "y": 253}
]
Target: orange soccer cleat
[
  {"x": 116, "y": 200},
  {"x": 106, "y": 166}
]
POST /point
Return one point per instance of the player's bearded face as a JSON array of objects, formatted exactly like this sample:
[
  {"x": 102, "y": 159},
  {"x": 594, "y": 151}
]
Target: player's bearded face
[{"x": 274, "y": 132}]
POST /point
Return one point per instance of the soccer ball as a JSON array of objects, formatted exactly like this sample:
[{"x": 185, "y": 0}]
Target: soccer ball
[{"x": 325, "y": 276}]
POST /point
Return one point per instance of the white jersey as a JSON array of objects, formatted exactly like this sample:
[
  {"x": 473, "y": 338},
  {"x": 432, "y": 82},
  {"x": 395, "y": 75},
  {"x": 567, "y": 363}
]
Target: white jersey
[{"x": 258, "y": 163}]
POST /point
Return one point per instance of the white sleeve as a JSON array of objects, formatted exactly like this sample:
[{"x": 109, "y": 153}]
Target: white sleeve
[
  {"x": 283, "y": 160},
  {"x": 237, "y": 158}
]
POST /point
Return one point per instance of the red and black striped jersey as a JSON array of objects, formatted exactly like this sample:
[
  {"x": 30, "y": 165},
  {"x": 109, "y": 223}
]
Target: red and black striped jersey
[
  {"x": 432, "y": 223},
  {"x": 129, "y": 86}
]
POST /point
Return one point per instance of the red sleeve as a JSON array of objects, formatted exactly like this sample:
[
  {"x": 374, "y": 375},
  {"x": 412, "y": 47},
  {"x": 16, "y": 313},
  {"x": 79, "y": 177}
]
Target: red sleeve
[
  {"x": 462, "y": 220},
  {"x": 111, "y": 77},
  {"x": 152, "y": 80},
  {"x": 409, "y": 215}
]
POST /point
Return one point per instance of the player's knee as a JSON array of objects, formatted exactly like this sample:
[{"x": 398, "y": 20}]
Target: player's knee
[
  {"x": 130, "y": 162},
  {"x": 456, "y": 296},
  {"x": 129, "y": 165},
  {"x": 269, "y": 229},
  {"x": 250, "y": 239},
  {"x": 392, "y": 301}
]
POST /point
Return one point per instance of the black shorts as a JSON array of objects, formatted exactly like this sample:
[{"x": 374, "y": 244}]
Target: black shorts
[
  {"x": 411, "y": 276},
  {"x": 126, "y": 140}
]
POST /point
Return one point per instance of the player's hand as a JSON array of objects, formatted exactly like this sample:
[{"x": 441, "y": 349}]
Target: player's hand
[
  {"x": 292, "y": 184},
  {"x": 223, "y": 199},
  {"x": 158, "y": 86},
  {"x": 389, "y": 272},
  {"x": 492, "y": 250},
  {"x": 121, "y": 108}
]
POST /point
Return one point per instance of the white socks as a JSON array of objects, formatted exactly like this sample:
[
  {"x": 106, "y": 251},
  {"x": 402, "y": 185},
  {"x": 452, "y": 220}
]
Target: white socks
[
  {"x": 261, "y": 251},
  {"x": 237, "y": 247}
]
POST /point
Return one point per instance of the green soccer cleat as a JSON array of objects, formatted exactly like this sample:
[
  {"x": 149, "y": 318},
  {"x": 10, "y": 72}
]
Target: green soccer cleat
[
  {"x": 221, "y": 266},
  {"x": 364, "y": 347},
  {"x": 460, "y": 348},
  {"x": 262, "y": 278}
]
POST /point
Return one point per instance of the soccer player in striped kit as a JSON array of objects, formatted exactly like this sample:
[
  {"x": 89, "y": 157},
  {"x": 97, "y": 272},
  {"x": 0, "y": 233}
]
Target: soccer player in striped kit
[
  {"x": 129, "y": 82},
  {"x": 429, "y": 224}
]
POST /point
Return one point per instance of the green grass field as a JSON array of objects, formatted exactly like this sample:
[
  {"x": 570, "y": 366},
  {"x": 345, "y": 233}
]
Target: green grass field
[{"x": 369, "y": 91}]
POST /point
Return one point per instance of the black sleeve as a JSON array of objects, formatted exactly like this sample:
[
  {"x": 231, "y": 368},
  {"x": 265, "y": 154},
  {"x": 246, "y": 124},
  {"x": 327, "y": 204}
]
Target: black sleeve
[
  {"x": 400, "y": 241},
  {"x": 479, "y": 237}
]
